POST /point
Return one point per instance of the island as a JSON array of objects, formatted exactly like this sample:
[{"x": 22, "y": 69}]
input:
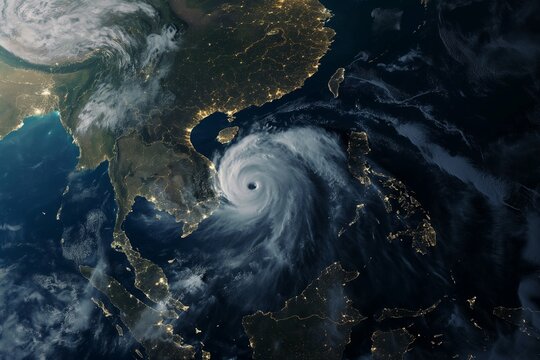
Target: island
[
  {"x": 335, "y": 81},
  {"x": 227, "y": 135},
  {"x": 411, "y": 222},
  {"x": 231, "y": 55},
  {"x": 313, "y": 325}
]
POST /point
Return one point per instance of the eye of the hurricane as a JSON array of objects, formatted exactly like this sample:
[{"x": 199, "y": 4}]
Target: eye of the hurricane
[{"x": 252, "y": 186}]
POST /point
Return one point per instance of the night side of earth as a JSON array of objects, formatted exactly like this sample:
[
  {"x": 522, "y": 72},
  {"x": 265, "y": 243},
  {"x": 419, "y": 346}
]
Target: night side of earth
[{"x": 271, "y": 179}]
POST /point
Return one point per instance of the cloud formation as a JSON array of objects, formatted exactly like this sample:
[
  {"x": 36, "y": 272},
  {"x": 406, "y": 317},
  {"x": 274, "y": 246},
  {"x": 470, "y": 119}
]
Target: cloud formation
[
  {"x": 42, "y": 313},
  {"x": 55, "y": 31}
]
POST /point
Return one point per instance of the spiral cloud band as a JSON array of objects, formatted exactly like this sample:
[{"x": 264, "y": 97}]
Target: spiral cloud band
[{"x": 287, "y": 190}]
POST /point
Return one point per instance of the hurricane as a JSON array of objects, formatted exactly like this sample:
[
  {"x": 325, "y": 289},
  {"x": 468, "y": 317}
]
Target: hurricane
[
  {"x": 285, "y": 196},
  {"x": 269, "y": 179},
  {"x": 288, "y": 182}
]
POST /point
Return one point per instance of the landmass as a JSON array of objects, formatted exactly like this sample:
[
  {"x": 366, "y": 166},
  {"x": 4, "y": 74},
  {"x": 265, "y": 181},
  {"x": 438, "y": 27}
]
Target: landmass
[
  {"x": 410, "y": 220},
  {"x": 471, "y": 302},
  {"x": 398, "y": 313},
  {"x": 190, "y": 13},
  {"x": 357, "y": 150},
  {"x": 27, "y": 92},
  {"x": 335, "y": 81},
  {"x": 518, "y": 317},
  {"x": 147, "y": 325},
  {"x": 390, "y": 345},
  {"x": 102, "y": 307},
  {"x": 245, "y": 56},
  {"x": 227, "y": 135},
  {"x": 313, "y": 325},
  {"x": 415, "y": 222},
  {"x": 119, "y": 330},
  {"x": 233, "y": 55}
]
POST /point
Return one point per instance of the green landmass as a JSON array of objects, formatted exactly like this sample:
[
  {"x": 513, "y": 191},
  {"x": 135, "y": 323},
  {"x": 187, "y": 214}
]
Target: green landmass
[
  {"x": 227, "y": 135},
  {"x": 147, "y": 325},
  {"x": 28, "y": 92},
  {"x": 233, "y": 55},
  {"x": 248, "y": 53}
]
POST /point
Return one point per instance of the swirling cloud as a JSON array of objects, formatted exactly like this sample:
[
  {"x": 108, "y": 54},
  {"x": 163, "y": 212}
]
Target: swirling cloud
[
  {"x": 112, "y": 106},
  {"x": 59, "y": 31},
  {"x": 280, "y": 187}
]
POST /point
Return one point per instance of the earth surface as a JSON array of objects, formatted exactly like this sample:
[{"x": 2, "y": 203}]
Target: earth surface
[{"x": 270, "y": 179}]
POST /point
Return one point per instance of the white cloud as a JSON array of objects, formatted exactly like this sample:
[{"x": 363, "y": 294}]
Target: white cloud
[
  {"x": 116, "y": 106},
  {"x": 41, "y": 313},
  {"x": 51, "y": 31},
  {"x": 10, "y": 227}
]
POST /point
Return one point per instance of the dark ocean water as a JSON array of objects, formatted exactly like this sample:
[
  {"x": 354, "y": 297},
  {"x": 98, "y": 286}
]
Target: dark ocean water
[
  {"x": 44, "y": 298},
  {"x": 450, "y": 109},
  {"x": 35, "y": 162}
]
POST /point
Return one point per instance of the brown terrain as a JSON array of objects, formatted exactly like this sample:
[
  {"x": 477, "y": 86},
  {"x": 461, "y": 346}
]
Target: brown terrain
[{"x": 192, "y": 16}]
